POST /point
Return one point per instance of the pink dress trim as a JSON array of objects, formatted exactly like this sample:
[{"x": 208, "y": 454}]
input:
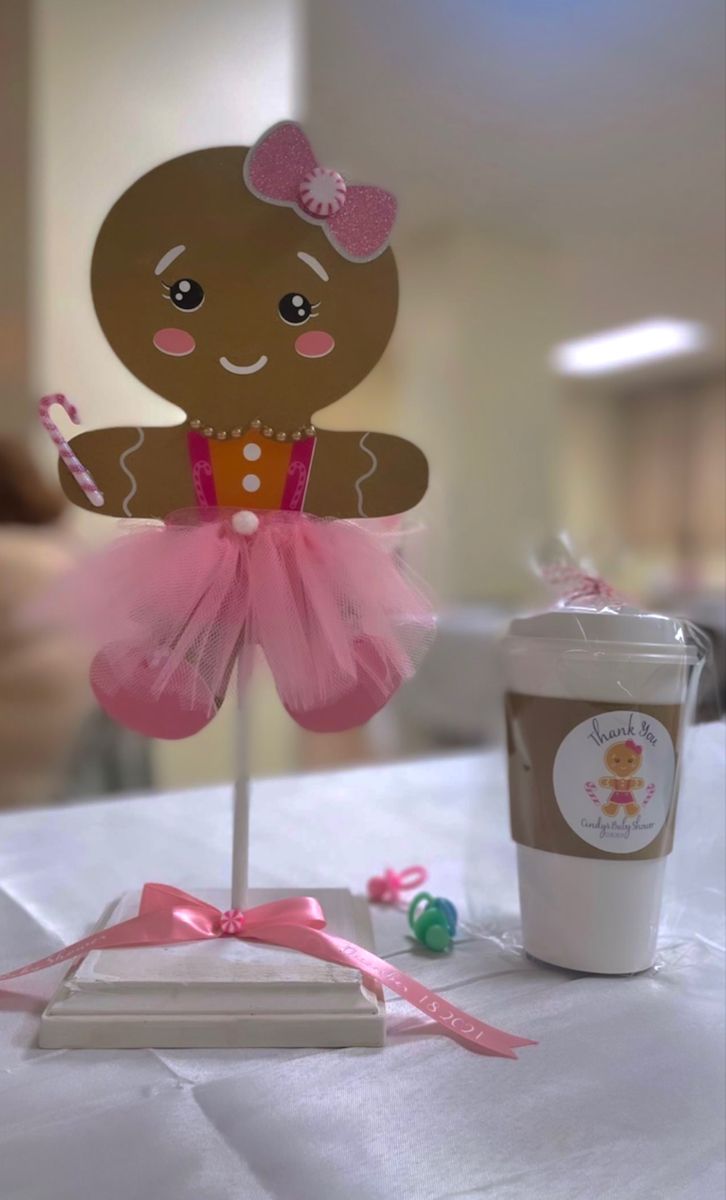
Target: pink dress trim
[
  {"x": 298, "y": 475},
  {"x": 202, "y": 473}
]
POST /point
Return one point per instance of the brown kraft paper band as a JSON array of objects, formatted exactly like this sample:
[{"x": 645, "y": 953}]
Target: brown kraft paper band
[{"x": 589, "y": 779}]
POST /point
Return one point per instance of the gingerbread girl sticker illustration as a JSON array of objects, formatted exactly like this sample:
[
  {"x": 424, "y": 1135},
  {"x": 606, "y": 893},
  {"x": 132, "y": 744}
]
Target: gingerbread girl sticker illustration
[
  {"x": 622, "y": 759},
  {"x": 251, "y": 288}
]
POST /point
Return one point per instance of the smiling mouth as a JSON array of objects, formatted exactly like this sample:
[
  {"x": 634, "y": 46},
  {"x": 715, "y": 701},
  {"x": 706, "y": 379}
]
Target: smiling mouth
[{"x": 241, "y": 369}]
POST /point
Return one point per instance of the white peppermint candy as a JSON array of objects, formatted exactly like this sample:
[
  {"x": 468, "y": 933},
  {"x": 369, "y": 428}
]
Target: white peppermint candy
[{"x": 322, "y": 192}]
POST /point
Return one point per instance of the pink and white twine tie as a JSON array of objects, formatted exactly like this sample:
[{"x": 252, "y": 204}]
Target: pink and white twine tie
[{"x": 577, "y": 584}]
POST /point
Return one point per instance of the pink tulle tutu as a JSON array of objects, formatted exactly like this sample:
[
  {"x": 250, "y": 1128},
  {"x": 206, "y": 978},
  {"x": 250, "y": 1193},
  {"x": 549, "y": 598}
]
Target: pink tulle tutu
[{"x": 171, "y": 609}]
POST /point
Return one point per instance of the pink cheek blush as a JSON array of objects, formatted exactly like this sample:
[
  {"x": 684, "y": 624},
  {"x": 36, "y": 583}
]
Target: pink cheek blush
[
  {"x": 314, "y": 344},
  {"x": 176, "y": 342}
]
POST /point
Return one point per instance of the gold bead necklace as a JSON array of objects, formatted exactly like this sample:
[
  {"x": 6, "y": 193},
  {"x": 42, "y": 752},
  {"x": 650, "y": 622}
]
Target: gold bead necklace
[{"x": 277, "y": 435}]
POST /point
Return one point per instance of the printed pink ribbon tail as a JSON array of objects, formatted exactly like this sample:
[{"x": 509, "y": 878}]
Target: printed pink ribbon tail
[
  {"x": 356, "y": 218},
  {"x": 168, "y": 915}
]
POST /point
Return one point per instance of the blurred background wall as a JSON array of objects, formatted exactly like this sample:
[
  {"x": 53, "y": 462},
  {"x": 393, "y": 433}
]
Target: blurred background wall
[
  {"x": 561, "y": 172},
  {"x": 15, "y": 100}
]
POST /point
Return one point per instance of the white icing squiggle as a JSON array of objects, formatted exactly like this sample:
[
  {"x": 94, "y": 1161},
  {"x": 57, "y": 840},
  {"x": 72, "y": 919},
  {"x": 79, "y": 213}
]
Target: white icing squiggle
[
  {"x": 361, "y": 480},
  {"x": 126, "y": 471}
]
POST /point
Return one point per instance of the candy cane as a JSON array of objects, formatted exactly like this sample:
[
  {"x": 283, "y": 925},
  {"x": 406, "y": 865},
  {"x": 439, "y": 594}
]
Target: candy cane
[{"x": 83, "y": 478}]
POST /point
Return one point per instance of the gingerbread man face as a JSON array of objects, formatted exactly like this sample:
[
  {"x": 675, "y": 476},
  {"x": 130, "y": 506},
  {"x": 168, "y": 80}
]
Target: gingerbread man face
[
  {"x": 232, "y": 307},
  {"x": 623, "y": 759}
]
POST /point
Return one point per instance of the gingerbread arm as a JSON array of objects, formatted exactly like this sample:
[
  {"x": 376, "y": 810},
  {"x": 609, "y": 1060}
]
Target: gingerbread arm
[
  {"x": 365, "y": 475},
  {"x": 140, "y": 472}
]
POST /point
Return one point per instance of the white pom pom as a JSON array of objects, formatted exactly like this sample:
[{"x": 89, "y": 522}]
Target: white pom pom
[{"x": 245, "y": 522}]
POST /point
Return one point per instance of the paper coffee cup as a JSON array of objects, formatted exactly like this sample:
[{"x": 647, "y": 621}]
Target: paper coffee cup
[{"x": 596, "y": 704}]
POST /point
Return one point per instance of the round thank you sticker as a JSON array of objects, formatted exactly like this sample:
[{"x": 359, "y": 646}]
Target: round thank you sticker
[{"x": 613, "y": 780}]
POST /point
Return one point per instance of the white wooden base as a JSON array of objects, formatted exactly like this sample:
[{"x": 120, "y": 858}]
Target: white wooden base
[{"x": 225, "y": 992}]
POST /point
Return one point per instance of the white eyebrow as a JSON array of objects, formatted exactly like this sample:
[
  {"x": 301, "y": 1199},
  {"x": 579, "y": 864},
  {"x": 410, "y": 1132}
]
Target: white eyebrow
[
  {"x": 167, "y": 259},
  {"x": 317, "y": 267}
]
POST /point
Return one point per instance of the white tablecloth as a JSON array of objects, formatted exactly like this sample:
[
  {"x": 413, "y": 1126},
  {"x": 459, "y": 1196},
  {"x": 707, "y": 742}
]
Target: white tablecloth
[{"x": 622, "y": 1098}]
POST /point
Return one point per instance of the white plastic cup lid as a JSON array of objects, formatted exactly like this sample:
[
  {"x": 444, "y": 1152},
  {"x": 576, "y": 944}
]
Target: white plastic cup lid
[{"x": 624, "y": 627}]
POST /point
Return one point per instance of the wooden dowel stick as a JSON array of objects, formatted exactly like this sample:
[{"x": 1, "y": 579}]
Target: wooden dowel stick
[{"x": 241, "y": 822}]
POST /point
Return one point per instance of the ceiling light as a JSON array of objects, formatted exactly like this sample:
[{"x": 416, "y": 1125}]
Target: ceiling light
[{"x": 632, "y": 345}]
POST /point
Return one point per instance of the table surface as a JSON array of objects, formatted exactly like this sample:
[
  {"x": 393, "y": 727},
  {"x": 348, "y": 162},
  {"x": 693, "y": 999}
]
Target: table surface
[{"x": 623, "y": 1097}]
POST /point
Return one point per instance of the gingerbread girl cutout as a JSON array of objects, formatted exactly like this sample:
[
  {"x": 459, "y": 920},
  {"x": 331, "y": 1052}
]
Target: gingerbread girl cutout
[{"x": 251, "y": 288}]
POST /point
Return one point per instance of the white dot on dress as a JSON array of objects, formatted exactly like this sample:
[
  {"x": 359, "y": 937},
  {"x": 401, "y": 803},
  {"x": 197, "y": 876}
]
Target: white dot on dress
[
  {"x": 251, "y": 483},
  {"x": 252, "y": 451}
]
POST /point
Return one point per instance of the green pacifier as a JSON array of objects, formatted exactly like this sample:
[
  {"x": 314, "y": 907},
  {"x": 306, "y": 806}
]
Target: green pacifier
[{"x": 434, "y": 924}]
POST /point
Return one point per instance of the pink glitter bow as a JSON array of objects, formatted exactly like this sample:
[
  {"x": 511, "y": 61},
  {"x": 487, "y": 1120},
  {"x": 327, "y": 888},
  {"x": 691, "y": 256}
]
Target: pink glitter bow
[
  {"x": 168, "y": 916},
  {"x": 281, "y": 169},
  {"x": 634, "y": 746}
]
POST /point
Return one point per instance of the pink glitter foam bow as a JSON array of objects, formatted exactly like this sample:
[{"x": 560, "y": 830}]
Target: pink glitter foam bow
[
  {"x": 633, "y": 746},
  {"x": 168, "y": 915},
  {"x": 356, "y": 218}
]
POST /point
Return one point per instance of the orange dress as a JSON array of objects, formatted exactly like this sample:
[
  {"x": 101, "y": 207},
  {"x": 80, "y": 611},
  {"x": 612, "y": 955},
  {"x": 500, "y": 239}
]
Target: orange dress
[{"x": 251, "y": 471}]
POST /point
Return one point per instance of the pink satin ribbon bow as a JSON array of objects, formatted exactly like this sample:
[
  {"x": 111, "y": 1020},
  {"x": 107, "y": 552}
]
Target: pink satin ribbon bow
[
  {"x": 356, "y": 218},
  {"x": 168, "y": 915},
  {"x": 387, "y": 888}
]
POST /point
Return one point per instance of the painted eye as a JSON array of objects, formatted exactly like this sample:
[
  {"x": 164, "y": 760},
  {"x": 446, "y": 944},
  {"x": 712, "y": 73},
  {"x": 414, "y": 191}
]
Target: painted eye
[
  {"x": 186, "y": 294},
  {"x": 294, "y": 308}
]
